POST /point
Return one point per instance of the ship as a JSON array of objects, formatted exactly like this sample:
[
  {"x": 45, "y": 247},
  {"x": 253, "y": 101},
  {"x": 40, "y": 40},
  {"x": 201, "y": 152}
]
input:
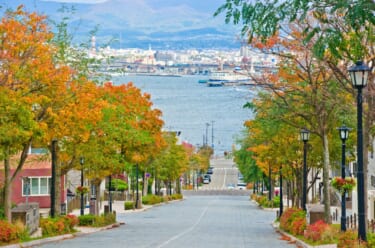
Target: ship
[{"x": 228, "y": 76}]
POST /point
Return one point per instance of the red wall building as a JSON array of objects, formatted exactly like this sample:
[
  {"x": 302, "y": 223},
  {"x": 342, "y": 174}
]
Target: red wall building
[{"x": 38, "y": 174}]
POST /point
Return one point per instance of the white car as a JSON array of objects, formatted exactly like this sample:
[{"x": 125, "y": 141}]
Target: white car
[
  {"x": 230, "y": 186},
  {"x": 241, "y": 186},
  {"x": 206, "y": 179}
]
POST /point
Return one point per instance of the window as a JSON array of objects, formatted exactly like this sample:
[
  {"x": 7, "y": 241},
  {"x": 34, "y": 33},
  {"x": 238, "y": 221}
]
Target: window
[{"x": 35, "y": 186}]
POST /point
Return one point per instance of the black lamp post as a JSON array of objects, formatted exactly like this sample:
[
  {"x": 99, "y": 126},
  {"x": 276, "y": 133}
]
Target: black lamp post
[
  {"x": 305, "y": 135},
  {"x": 344, "y": 134},
  {"x": 359, "y": 75},
  {"x": 82, "y": 161},
  {"x": 136, "y": 181},
  {"x": 53, "y": 177},
  {"x": 269, "y": 182},
  {"x": 281, "y": 192}
]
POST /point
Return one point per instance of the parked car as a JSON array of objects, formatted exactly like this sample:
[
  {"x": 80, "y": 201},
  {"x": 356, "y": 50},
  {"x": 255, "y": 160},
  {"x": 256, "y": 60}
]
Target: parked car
[
  {"x": 210, "y": 170},
  {"x": 231, "y": 186},
  {"x": 206, "y": 179},
  {"x": 241, "y": 186}
]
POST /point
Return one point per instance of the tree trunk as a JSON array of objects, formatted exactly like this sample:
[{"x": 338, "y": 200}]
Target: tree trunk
[
  {"x": 178, "y": 186},
  {"x": 145, "y": 184},
  {"x": 97, "y": 183},
  {"x": 7, "y": 188},
  {"x": 326, "y": 168}
]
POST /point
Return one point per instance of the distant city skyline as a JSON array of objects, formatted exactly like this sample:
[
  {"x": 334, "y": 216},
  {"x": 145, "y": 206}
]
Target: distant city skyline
[{"x": 164, "y": 24}]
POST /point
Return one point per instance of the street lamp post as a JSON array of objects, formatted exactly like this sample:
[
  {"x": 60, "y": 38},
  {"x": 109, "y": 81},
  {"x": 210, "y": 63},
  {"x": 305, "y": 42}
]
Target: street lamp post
[
  {"x": 53, "y": 177},
  {"x": 82, "y": 161},
  {"x": 359, "y": 74},
  {"x": 344, "y": 134},
  {"x": 136, "y": 181},
  {"x": 281, "y": 192},
  {"x": 212, "y": 135},
  {"x": 269, "y": 182},
  {"x": 305, "y": 135}
]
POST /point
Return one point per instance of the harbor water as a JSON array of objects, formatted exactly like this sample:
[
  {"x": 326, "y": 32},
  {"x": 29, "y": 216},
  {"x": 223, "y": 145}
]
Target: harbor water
[{"x": 203, "y": 114}]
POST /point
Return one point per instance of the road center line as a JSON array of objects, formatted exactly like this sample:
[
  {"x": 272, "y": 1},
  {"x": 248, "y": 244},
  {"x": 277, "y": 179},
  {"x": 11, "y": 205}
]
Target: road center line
[
  {"x": 187, "y": 230},
  {"x": 225, "y": 178}
]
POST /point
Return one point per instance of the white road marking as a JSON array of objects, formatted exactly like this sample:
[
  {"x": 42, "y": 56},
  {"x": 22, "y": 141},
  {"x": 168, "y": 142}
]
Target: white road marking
[
  {"x": 187, "y": 230},
  {"x": 225, "y": 177}
]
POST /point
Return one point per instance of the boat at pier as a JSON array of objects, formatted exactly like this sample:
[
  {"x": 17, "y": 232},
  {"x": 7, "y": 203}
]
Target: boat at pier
[{"x": 228, "y": 76}]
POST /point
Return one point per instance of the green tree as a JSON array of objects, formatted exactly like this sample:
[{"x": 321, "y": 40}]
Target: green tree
[
  {"x": 172, "y": 162},
  {"x": 17, "y": 127}
]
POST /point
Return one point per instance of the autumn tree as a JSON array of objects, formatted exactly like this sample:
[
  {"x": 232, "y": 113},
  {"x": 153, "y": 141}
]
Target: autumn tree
[
  {"x": 306, "y": 95},
  {"x": 305, "y": 91},
  {"x": 28, "y": 69},
  {"x": 335, "y": 34}
]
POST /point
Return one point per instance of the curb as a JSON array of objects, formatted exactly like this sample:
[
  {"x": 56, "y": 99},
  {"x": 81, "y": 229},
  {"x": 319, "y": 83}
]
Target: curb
[
  {"x": 62, "y": 237},
  {"x": 299, "y": 242}
]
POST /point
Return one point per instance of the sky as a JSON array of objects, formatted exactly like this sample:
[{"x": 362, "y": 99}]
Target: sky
[{"x": 142, "y": 20}]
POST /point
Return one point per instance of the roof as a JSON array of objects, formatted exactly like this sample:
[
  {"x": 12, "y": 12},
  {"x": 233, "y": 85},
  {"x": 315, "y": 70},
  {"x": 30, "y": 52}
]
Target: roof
[{"x": 34, "y": 161}]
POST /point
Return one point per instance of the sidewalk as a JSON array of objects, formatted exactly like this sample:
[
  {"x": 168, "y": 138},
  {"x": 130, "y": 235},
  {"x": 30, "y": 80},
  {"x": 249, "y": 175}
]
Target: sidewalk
[{"x": 117, "y": 206}]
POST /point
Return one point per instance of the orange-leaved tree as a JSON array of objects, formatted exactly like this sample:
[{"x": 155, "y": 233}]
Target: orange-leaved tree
[{"x": 28, "y": 68}]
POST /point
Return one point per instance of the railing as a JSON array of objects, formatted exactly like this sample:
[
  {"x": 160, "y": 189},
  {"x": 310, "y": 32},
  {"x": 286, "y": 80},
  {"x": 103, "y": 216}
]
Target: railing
[
  {"x": 119, "y": 196},
  {"x": 74, "y": 203},
  {"x": 352, "y": 223}
]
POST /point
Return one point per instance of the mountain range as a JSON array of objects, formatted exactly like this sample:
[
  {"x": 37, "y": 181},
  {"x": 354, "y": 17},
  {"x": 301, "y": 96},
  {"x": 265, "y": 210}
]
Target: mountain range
[{"x": 163, "y": 24}]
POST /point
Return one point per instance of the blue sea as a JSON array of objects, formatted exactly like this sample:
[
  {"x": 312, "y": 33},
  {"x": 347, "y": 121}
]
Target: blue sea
[{"x": 188, "y": 106}]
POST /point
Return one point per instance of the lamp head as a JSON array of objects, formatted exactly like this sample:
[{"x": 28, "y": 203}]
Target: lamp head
[
  {"x": 304, "y": 134},
  {"x": 344, "y": 132},
  {"x": 359, "y": 74}
]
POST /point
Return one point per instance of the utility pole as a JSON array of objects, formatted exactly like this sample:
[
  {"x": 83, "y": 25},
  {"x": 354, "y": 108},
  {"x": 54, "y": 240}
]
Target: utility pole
[
  {"x": 212, "y": 135},
  {"x": 207, "y": 125}
]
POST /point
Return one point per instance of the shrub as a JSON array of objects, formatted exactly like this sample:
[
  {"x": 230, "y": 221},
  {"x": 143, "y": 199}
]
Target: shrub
[
  {"x": 70, "y": 222},
  {"x": 22, "y": 230},
  {"x": 177, "y": 196},
  {"x": 129, "y": 205},
  {"x": 371, "y": 239},
  {"x": 320, "y": 231},
  {"x": 86, "y": 220},
  {"x": 8, "y": 232},
  {"x": 298, "y": 225},
  {"x": 108, "y": 219},
  {"x": 290, "y": 216},
  {"x": 151, "y": 199},
  {"x": 97, "y": 221},
  {"x": 349, "y": 239},
  {"x": 253, "y": 197},
  {"x": 264, "y": 202},
  {"x": 59, "y": 225}
]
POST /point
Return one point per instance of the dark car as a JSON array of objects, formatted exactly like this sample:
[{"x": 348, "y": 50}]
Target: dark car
[{"x": 210, "y": 171}]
